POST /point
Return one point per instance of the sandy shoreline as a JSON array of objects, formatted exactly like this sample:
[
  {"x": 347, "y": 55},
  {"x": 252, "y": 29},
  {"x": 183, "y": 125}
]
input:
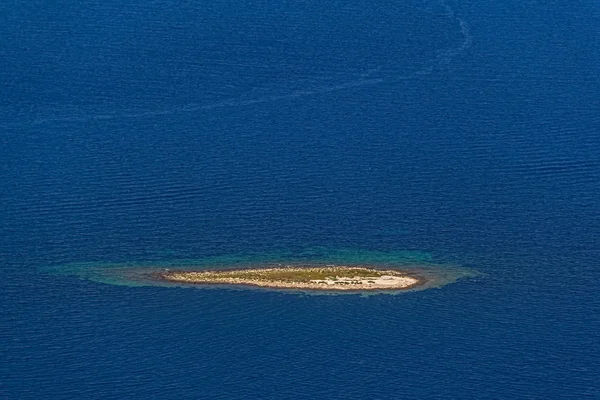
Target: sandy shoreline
[{"x": 334, "y": 278}]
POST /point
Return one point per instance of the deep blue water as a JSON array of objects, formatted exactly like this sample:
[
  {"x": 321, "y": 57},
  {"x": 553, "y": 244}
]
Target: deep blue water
[{"x": 152, "y": 131}]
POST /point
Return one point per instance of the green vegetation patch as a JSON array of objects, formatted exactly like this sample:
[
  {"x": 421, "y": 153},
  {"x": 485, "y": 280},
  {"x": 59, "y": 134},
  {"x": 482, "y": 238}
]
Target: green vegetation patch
[{"x": 290, "y": 274}]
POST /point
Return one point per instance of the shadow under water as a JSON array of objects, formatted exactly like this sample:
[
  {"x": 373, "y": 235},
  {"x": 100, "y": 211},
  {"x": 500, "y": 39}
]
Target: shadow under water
[{"x": 143, "y": 273}]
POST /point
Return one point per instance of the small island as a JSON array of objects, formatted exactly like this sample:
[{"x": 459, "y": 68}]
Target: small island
[{"x": 323, "y": 278}]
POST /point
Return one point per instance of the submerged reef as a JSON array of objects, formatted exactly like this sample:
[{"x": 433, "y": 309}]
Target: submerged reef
[{"x": 312, "y": 271}]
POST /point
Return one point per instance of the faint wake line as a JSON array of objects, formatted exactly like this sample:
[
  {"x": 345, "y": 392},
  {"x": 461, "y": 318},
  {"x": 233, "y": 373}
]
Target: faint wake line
[
  {"x": 443, "y": 58},
  {"x": 446, "y": 56}
]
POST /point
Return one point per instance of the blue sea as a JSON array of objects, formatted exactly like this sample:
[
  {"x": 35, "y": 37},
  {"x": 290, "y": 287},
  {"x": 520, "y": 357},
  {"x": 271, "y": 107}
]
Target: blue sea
[{"x": 459, "y": 133}]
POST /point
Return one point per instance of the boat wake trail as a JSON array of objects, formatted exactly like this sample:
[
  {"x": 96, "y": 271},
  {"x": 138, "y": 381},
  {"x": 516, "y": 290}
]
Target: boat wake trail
[{"x": 258, "y": 96}]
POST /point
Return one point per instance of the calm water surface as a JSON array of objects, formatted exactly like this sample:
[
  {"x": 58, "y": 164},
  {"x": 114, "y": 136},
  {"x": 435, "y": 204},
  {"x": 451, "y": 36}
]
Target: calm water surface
[{"x": 466, "y": 132}]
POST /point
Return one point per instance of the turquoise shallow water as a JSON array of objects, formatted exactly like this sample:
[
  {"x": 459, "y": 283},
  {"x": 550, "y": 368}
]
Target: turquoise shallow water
[
  {"x": 135, "y": 274},
  {"x": 458, "y": 134}
]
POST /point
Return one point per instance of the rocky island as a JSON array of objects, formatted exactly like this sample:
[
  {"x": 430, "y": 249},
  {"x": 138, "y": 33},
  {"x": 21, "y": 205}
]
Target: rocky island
[{"x": 328, "y": 278}]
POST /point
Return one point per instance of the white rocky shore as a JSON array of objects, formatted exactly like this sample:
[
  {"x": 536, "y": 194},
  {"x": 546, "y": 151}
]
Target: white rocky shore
[{"x": 378, "y": 282}]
